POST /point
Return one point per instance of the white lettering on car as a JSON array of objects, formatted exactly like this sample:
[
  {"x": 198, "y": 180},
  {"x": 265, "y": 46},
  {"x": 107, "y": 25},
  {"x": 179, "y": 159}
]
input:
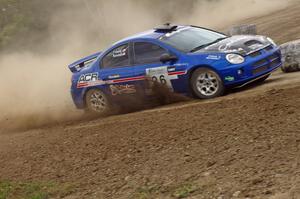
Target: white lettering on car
[
  {"x": 88, "y": 77},
  {"x": 213, "y": 57}
]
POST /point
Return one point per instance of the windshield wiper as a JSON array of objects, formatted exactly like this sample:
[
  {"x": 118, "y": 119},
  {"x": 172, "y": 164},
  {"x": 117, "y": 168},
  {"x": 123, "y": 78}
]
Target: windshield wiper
[{"x": 208, "y": 44}]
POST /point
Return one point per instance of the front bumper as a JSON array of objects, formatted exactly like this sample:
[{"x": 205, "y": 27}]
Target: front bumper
[{"x": 257, "y": 65}]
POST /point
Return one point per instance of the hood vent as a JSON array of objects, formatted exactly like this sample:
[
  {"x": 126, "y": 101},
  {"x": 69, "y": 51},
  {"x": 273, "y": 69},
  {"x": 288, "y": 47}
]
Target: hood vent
[{"x": 253, "y": 42}]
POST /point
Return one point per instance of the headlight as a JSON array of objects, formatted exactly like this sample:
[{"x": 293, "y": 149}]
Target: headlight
[
  {"x": 235, "y": 59},
  {"x": 271, "y": 41}
]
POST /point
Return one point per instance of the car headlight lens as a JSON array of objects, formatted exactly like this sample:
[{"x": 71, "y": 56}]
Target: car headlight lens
[
  {"x": 271, "y": 41},
  {"x": 235, "y": 59}
]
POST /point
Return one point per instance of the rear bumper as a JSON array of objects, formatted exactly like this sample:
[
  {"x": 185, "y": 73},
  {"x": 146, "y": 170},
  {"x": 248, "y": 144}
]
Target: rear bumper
[{"x": 77, "y": 98}]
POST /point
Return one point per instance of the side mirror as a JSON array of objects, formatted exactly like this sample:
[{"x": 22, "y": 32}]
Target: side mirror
[{"x": 166, "y": 57}]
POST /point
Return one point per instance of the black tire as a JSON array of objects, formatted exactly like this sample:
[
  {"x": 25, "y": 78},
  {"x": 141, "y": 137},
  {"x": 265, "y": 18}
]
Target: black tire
[
  {"x": 97, "y": 102},
  {"x": 206, "y": 84}
]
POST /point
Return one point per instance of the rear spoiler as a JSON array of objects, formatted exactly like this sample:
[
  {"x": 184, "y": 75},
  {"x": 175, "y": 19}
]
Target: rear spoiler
[{"x": 83, "y": 63}]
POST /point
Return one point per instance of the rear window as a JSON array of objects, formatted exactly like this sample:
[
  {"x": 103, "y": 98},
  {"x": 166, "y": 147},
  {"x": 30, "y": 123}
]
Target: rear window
[{"x": 118, "y": 57}]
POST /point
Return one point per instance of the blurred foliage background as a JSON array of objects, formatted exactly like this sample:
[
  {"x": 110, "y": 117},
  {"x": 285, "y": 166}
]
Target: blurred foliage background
[
  {"x": 21, "y": 19},
  {"x": 25, "y": 24}
]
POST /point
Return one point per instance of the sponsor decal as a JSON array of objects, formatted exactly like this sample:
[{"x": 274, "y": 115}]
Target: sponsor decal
[
  {"x": 119, "y": 52},
  {"x": 114, "y": 76},
  {"x": 181, "y": 64},
  {"x": 213, "y": 57},
  {"x": 122, "y": 89},
  {"x": 229, "y": 78},
  {"x": 88, "y": 77},
  {"x": 171, "y": 69}
]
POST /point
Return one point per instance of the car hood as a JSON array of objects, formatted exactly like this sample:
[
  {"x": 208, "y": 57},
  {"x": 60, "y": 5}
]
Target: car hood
[{"x": 242, "y": 44}]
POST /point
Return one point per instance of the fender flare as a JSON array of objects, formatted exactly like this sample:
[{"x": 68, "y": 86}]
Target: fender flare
[
  {"x": 86, "y": 90},
  {"x": 193, "y": 69}
]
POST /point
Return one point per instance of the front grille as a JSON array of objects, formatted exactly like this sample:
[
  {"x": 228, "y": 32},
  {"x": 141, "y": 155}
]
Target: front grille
[
  {"x": 267, "y": 63},
  {"x": 255, "y": 54},
  {"x": 260, "y": 69},
  {"x": 260, "y": 63},
  {"x": 272, "y": 57},
  {"x": 275, "y": 63},
  {"x": 268, "y": 48}
]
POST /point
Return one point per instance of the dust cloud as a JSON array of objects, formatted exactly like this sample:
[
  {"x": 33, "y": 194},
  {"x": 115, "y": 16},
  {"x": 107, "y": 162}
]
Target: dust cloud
[{"x": 34, "y": 84}]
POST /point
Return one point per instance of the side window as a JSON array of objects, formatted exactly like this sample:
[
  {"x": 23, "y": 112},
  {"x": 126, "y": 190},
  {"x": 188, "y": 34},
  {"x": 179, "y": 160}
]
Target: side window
[
  {"x": 146, "y": 53},
  {"x": 117, "y": 58}
]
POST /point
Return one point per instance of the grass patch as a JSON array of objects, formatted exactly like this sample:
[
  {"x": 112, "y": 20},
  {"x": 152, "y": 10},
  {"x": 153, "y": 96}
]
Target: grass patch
[
  {"x": 185, "y": 191},
  {"x": 14, "y": 190},
  {"x": 146, "y": 192},
  {"x": 4, "y": 190}
]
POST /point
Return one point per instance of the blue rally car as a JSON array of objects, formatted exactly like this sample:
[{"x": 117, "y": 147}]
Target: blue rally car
[{"x": 190, "y": 60}]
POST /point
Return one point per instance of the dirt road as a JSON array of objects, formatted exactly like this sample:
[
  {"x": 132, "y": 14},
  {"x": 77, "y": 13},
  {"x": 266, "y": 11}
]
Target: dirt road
[
  {"x": 247, "y": 141},
  {"x": 243, "y": 145}
]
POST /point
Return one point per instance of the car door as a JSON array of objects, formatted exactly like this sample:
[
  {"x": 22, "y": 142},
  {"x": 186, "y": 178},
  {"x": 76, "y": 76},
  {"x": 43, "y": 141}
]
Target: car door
[
  {"x": 116, "y": 71},
  {"x": 146, "y": 58}
]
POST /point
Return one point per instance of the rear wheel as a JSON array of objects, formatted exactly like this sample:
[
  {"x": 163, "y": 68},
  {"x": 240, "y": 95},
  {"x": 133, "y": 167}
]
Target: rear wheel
[
  {"x": 206, "y": 84},
  {"x": 97, "y": 102}
]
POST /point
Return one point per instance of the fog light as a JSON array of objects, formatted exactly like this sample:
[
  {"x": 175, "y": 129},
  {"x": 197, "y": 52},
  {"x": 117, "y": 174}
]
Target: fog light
[{"x": 240, "y": 71}]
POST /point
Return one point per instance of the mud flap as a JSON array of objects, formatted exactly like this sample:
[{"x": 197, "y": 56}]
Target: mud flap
[{"x": 291, "y": 56}]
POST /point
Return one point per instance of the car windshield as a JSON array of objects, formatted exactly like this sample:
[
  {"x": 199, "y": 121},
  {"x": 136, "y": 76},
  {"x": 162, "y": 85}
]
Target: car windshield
[{"x": 191, "y": 39}]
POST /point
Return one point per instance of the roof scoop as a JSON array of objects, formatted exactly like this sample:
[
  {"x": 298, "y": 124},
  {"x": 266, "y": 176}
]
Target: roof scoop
[{"x": 167, "y": 27}]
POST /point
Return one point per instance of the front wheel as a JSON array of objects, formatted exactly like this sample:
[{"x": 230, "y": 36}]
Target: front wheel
[
  {"x": 206, "y": 84},
  {"x": 97, "y": 102}
]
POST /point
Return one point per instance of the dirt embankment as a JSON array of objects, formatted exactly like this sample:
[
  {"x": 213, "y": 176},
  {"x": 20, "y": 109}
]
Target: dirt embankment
[
  {"x": 282, "y": 25},
  {"x": 248, "y": 144},
  {"x": 244, "y": 145}
]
